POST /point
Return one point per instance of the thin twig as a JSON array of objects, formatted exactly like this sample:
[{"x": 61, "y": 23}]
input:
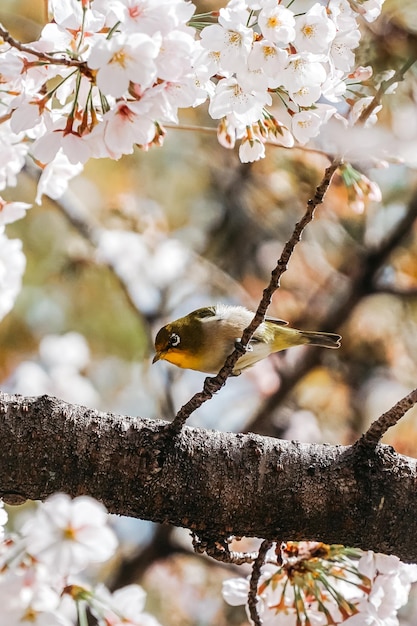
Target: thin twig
[
  {"x": 214, "y": 384},
  {"x": 212, "y": 130},
  {"x": 383, "y": 88},
  {"x": 388, "y": 419},
  {"x": 44, "y": 56},
  {"x": 254, "y": 580},
  {"x": 363, "y": 278}
]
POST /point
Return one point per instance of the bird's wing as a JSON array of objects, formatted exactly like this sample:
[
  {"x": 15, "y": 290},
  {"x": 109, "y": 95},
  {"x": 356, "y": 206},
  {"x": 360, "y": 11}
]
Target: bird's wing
[
  {"x": 277, "y": 321},
  {"x": 205, "y": 312},
  {"x": 264, "y": 334}
]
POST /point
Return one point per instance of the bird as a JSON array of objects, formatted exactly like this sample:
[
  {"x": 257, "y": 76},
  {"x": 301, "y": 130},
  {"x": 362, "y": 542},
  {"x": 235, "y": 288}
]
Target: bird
[{"x": 203, "y": 339}]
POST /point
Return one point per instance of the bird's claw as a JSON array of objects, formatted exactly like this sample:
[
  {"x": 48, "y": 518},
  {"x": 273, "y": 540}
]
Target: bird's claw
[{"x": 239, "y": 347}]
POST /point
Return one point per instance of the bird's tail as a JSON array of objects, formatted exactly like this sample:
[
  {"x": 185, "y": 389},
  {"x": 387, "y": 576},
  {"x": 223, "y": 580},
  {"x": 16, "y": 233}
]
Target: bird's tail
[{"x": 325, "y": 340}]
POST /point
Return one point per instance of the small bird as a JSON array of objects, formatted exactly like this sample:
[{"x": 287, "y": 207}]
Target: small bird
[{"x": 203, "y": 339}]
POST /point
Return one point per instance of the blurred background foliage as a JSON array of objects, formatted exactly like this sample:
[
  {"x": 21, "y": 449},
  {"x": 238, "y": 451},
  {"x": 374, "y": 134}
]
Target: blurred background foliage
[{"x": 206, "y": 229}]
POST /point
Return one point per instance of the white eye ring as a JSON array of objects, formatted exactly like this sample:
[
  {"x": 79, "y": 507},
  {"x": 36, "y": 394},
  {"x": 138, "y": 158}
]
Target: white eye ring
[{"x": 174, "y": 340}]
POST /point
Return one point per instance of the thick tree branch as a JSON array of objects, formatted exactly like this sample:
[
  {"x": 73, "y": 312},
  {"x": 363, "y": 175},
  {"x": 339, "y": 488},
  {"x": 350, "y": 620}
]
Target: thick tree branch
[{"x": 216, "y": 484}]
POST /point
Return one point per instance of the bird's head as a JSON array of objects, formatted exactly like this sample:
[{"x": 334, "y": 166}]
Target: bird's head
[{"x": 183, "y": 342}]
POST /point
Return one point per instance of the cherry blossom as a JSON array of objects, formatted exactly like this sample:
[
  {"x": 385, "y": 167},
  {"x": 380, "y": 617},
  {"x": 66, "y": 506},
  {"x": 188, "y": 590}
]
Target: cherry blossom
[
  {"x": 70, "y": 15},
  {"x": 126, "y": 68},
  {"x": 359, "y": 107},
  {"x": 341, "y": 50},
  {"x": 131, "y": 64},
  {"x": 306, "y": 124},
  {"x": 3, "y": 519},
  {"x": 370, "y": 9},
  {"x": 55, "y": 177},
  {"x": 314, "y": 31},
  {"x": 270, "y": 58},
  {"x": 303, "y": 70},
  {"x": 277, "y": 23},
  {"x": 231, "y": 97},
  {"x": 13, "y": 152},
  {"x": 68, "y": 534},
  {"x": 124, "y": 59},
  {"x": 231, "y": 40},
  {"x": 60, "y": 138},
  {"x": 27, "y": 596},
  {"x": 123, "y": 126},
  {"x": 125, "y": 607},
  {"x": 251, "y": 150},
  {"x": 42, "y": 589},
  {"x": 12, "y": 211},
  {"x": 340, "y": 587},
  {"x": 12, "y": 265}
]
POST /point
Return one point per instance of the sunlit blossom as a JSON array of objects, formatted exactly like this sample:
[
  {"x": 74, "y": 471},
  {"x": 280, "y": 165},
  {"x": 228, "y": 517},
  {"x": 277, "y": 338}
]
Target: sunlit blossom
[
  {"x": 251, "y": 150},
  {"x": 144, "y": 52},
  {"x": 232, "y": 46},
  {"x": 277, "y": 23},
  {"x": 317, "y": 584},
  {"x": 12, "y": 266},
  {"x": 359, "y": 107},
  {"x": 123, "y": 607},
  {"x": 68, "y": 534},
  {"x": 314, "y": 30},
  {"x": 230, "y": 97},
  {"x": 55, "y": 177},
  {"x": 124, "y": 59},
  {"x": 12, "y": 211}
]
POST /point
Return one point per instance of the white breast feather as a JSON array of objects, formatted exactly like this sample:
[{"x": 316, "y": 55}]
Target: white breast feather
[{"x": 240, "y": 314}]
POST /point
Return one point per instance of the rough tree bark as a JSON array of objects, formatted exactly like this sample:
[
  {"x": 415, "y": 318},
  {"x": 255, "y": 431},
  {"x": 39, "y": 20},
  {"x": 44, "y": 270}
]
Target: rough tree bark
[{"x": 213, "y": 483}]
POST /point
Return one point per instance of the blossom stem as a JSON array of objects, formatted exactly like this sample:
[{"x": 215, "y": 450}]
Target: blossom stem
[
  {"x": 112, "y": 30},
  {"x": 43, "y": 56},
  {"x": 82, "y": 613}
]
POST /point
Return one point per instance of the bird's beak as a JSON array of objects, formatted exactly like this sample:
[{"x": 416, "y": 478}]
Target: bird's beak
[{"x": 157, "y": 357}]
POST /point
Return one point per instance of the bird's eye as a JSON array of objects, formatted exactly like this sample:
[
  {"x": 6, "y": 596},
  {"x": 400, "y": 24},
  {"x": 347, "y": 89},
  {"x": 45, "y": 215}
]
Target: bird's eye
[{"x": 174, "y": 340}]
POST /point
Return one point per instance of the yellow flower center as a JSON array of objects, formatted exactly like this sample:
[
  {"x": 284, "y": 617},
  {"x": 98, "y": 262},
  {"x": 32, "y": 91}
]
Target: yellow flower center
[
  {"x": 273, "y": 22},
  {"x": 309, "y": 30},
  {"x": 235, "y": 38},
  {"x": 119, "y": 58},
  {"x": 269, "y": 51}
]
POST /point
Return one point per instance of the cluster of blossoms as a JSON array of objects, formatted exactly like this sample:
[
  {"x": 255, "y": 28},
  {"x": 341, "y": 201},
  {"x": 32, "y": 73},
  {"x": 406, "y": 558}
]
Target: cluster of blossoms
[
  {"x": 106, "y": 75},
  {"x": 310, "y": 583},
  {"x": 40, "y": 569},
  {"x": 302, "y": 55}
]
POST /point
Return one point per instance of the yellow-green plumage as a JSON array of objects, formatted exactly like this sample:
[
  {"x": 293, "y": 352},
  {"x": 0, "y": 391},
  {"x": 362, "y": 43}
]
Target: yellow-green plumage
[{"x": 203, "y": 339}]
